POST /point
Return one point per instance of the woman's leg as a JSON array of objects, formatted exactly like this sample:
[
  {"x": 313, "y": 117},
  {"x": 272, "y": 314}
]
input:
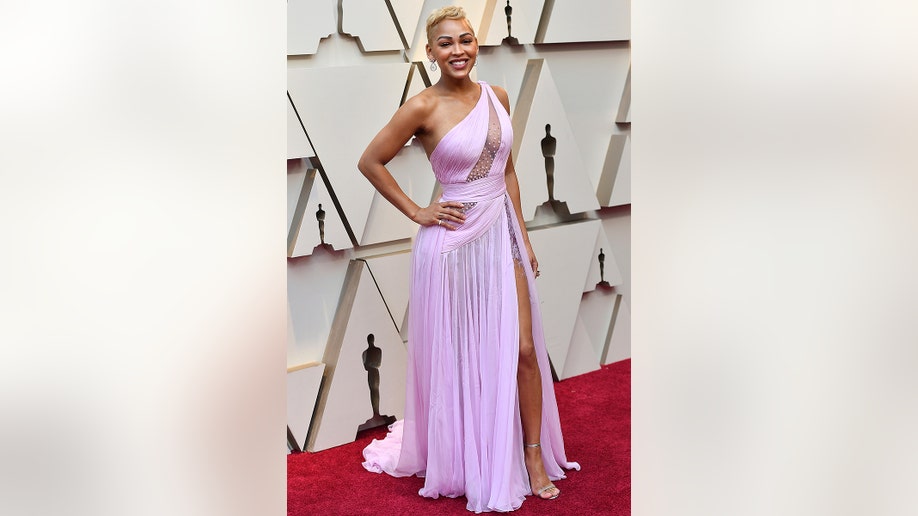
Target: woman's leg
[{"x": 529, "y": 382}]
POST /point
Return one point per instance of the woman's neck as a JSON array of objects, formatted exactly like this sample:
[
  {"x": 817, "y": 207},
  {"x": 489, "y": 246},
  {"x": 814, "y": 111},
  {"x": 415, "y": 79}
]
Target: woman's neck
[{"x": 450, "y": 85}]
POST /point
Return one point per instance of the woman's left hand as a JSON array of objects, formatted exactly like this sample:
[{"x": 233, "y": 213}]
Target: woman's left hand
[{"x": 533, "y": 262}]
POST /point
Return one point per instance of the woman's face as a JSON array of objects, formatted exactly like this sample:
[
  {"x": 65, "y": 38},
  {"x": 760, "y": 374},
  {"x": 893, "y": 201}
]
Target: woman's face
[{"x": 453, "y": 46}]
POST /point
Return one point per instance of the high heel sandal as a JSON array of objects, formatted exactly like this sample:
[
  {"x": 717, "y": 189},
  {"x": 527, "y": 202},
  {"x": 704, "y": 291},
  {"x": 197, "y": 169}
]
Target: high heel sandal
[{"x": 538, "y": 492}]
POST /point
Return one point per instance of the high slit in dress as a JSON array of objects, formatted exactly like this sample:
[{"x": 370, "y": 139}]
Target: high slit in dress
[{"x": 462, "y": 429}]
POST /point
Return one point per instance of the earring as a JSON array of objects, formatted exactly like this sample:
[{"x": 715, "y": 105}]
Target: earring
[
  {"x": 476, "y": 62},
  {"x": 433, "y": 65}
]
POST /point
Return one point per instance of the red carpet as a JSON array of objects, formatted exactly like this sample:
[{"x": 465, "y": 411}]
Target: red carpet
[{"x": 595, "y": 419}]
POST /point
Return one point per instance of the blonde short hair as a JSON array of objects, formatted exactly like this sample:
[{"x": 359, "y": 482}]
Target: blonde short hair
[{"x": 451, "y": 12}]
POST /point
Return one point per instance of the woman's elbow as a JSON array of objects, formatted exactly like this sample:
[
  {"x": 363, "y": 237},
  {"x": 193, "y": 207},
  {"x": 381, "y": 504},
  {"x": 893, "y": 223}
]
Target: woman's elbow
[{"x": 364, "y": 165}]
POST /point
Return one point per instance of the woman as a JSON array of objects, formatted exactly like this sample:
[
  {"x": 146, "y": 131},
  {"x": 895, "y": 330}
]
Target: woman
[{"x": 480, "y": 417}]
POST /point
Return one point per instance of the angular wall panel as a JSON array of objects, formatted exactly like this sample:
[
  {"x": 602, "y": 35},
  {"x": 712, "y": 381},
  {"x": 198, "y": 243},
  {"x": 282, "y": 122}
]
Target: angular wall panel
[
  {"x": 297, "y": 142},
  {"x": 415, "y": 82},
  {"x": 616, "y": 223},
  {"x": 621, "y": 190},
  {"x": 597, "y": 309},
  {"x": 581, "y": 358},
  {"x": 370, "y": 22},
  {"x": 503, "y": 66},
  {"x": 308, "y": 21},
  {"x": 331, "y": 97},
  {"x": 624, "y": 107},
  {"x": 391, "y": 272},
  {"x": 408, "y": 14},
  {"x": 361, "y": 322},
  {"x": 620, "y": 342},
  {"x": 564, "y": 253},
  {"x": 300, "y": 177},
  {"x": 302, "y": 393},
  {"x": 587, "y": 20},
  {"x": 315, "y": 215},
  {"x": 590, "y": 84},
  {"x": 313, "y": 287},
  {"x": 539, "y": 107},
  {"x": 291, "y": 337},
  {"x": 614, "y": 153}
]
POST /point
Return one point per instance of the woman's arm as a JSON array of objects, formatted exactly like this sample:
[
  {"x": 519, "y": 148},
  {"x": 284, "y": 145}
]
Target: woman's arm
[
  {"x": 407, "y": 121},
  {"x": 513, "y": 188}
]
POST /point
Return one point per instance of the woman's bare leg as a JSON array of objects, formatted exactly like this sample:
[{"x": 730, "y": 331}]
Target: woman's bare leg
[{"x": 529, "y": 382}]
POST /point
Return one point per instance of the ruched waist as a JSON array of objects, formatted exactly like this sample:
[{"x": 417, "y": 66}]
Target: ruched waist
[{"x": 486, "y": 188}]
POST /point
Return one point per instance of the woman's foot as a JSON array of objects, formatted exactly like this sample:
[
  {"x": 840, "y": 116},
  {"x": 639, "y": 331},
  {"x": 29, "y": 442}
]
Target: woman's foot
[{"x": 539, "y": 483}]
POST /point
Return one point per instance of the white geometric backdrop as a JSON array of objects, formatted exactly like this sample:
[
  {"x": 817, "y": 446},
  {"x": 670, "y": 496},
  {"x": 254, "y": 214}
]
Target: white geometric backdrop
[{"x": 351, "y": 63}]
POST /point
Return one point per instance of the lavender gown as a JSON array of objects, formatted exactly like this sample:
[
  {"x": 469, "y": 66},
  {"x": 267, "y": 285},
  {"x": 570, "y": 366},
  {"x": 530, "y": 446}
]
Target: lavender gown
[{"x": 462, "y": 429}]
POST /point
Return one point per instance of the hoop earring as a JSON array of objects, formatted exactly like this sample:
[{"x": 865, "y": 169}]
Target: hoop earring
[
  {"x": 476, "y": 62},
  {"x": 433, "y": 65}
]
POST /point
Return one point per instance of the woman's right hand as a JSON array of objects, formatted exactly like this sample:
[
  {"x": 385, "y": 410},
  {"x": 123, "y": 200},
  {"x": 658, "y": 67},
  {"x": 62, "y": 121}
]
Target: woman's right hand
[{"x": 447, "y": 214}]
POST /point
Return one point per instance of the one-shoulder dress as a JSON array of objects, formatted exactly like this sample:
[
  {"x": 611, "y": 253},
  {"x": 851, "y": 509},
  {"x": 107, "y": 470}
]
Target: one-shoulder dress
[{"x": 461, "y": 429}]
